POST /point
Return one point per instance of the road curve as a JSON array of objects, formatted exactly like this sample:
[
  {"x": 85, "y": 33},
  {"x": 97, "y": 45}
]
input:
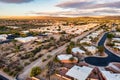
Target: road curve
[
  {"x": 100, "y": 61},
  {"x": 3, "y": 78}
]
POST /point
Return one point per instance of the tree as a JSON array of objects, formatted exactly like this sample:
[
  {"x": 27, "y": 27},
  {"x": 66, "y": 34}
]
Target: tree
[
  {"x": 72, "y": 44},
  {"x": 71, "y": 59},
  {"x": 101, "y": 49},
  {"x": 51, "y": 38},
  {"x": 110, "y": 36},
  {"x": 68, "y": 50},
  {"x": 35, "y": 71}
]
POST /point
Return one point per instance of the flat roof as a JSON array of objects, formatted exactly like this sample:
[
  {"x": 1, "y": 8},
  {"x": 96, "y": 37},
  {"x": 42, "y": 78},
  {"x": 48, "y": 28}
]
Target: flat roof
[
  {"x": 79, "y": 73},
  {"x": 77, "y": 50},
  {"x": 111, "y": 76},
  {"x": 64, "y": 56},
  {"x": 26, "y": 39}
]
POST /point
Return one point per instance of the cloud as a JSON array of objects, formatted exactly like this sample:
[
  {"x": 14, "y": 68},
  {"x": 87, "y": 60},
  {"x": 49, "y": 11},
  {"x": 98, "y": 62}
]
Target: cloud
[
  {"x": 110, "y": 5},
  {"x": 85, "y": 4},
  {"x": 15, "y": 1},
  {"x": 108, "y": 11},
  {"x": 74, "y": 4},
  {"x": 87, "y": 12},
  {"x": 91, "y": 7}
]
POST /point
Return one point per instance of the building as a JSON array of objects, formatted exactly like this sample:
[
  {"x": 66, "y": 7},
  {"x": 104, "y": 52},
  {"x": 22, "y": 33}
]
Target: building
[
  {"x": 61, "y": 73},
  {"x": 25, "y": 32},
  {"x": 117, "y": 44},
  {"x": 117, "y": 47},
  {"x": 13, "y": 27},
  {"x": 110, "y": 76},
  {"x": 65, "y": 58},
  {"x": 91, "y": 49},
  {"x": 26, "y": 39},
  {"x": 86, "y": 40},
  {"x": 117, "y": 34},
  {"x": 79, "y": 73},
  {"x": 78, "y": 50},
  {"x": 116, "y": 39},
  {"x": 3, "y": 37},
  {"x": 87, "y": 73}
]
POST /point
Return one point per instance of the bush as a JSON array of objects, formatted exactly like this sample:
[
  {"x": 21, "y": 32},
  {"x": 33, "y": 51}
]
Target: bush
[
  {"x": 6, "y": 70},
  {"x": 35, "y": 71}
]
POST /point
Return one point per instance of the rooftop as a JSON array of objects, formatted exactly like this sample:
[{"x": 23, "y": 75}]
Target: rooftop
[
  {"x": 77, "y": 50},
  {"x": 79, "y": 73}
]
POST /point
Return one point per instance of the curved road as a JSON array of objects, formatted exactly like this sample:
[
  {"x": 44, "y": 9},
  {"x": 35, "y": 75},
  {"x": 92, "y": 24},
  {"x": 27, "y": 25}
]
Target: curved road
[
  {"x": 100, "y": 61},
  {"x": 3, "y": 78}
]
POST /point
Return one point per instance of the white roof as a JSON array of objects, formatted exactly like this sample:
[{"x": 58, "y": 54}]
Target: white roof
[
  {"x": 117, "y": 47},
  {"x": 79, "y": 73},
  {"x": 91, "y": 49},
  {"x": 26, "y": 39},
  {"x": 85, "y": 40},
  {"x": 111, "y": 76},
  {"x": 117, "y": 44},
  {"x": 117, "y": 33},
  {"x": 25, "y": 32},
  {"x": 64, "y": 57},
  {"x": 3, "y": 37},
  {"x": 77, "y": 50},
  {"x": 115, "y": 39},
  {"x": 95, "y": 34}
]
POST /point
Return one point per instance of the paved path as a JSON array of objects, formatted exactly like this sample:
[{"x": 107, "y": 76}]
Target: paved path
[
  {"x": 3, "y": 78},
  {"x": 39, "y": 62}
]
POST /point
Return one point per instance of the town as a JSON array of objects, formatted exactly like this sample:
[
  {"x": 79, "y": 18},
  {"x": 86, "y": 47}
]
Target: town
[{"x": 63, "y": 50}]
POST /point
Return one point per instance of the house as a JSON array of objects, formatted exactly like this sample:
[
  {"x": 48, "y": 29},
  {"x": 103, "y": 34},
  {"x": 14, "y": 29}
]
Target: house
[
  {"x": 117, "y": 44},
  {"x": 116, "y": 39},
  {"x": 91, "y": 49},
  {"x": 78, "y": 50},
  {"x": 12, "y": 27},
  {"x": 95, "y": 75},
  {"x": 86, "y": 73},
  {"x": 86, "y": 40},
  {"x": 25, "y": 32},
  {"x": 117, "y": 34},
  {"x": 26, "y": 39},
  {"x": 110, "y": 76},
  {"x": 118, "y": 47},
  {"x": 95, "y": 34},
  {"x": 62, "y": 73},
  {"x": 3, "y": 37},
  {"x": 65, "y": 58},
  {"x": 79, "y": 73}
]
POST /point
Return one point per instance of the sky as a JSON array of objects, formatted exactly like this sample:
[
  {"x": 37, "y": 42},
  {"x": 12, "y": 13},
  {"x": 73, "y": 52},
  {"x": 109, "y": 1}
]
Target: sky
[{"x": 59, "y": 8}]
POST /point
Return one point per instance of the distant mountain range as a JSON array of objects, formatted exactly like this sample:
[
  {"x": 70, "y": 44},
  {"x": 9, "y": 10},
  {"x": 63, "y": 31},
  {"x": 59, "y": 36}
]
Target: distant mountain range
[{"x": 48, "y": 17}]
